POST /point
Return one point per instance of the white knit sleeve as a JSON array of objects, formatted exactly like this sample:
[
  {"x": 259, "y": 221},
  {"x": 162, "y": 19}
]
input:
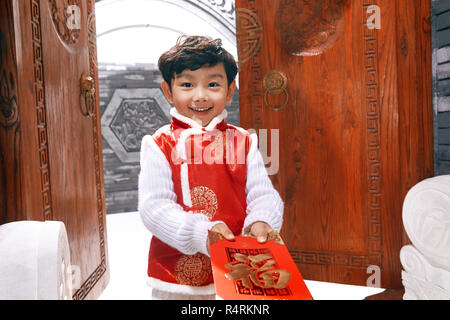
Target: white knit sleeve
[
  {"x": 159, "y": 211},
  {"x": 263, "y": 201}
]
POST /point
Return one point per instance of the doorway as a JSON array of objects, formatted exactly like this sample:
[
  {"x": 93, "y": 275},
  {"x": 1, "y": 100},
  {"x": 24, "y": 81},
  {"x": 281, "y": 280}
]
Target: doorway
[{"x": 131, "y": 35}]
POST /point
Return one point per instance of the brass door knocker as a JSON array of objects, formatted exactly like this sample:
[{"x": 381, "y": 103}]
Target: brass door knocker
[
  {"x": 275, "y": 83},
  {"x": 88, "y": 90}
]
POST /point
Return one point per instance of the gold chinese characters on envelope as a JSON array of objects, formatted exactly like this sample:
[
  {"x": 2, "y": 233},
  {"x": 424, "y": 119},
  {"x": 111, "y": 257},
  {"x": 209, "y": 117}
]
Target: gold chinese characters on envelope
[{"x": 245, "y": 269}]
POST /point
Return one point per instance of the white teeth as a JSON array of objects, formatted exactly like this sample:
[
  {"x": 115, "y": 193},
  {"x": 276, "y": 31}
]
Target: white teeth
[{"x": 201, "y": 109}]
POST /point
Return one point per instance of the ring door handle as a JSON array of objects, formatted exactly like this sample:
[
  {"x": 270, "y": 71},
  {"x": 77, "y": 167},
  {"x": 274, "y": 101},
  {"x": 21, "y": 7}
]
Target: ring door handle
[
  {"x": 275, "y": 83},
  {"x": 88, "y": 91}
]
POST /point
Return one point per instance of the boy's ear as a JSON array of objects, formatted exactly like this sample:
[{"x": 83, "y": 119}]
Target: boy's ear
[
  {"x": 231, "y": 90},
  {"x": 167, "y": 91}
]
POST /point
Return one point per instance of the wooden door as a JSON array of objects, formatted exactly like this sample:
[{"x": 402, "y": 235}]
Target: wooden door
[
  {"x": 355, "y": 124},
  {"x": 54, "y": 168}
]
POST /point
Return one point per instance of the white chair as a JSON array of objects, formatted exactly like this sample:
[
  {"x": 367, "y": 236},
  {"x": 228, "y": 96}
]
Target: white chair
[
  {"x": 34, "y": 261},
  {"x": 426, "y": 263}
]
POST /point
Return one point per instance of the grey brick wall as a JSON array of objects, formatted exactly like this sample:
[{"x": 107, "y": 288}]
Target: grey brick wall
[{"x": 440, "y": 19}]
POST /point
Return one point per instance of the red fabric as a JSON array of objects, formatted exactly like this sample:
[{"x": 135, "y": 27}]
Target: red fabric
[{"x": 217, "y": 190}]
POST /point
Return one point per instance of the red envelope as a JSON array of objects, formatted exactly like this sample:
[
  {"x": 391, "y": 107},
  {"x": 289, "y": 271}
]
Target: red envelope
[{"x": 245, "y": 269}]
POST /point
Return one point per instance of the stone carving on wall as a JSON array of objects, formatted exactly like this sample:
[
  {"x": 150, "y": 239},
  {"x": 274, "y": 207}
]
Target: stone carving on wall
[
  {"x": 129, "y": 116},
  {"x": 426, "y": 217},
  {"x": 134, "y": 119}
]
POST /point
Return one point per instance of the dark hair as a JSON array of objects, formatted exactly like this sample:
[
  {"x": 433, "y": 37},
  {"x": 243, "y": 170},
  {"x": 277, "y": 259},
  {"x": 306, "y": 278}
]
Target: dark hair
[{"x": 194, "y": 52}]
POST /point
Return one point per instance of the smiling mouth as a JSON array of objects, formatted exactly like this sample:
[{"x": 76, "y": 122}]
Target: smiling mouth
[{"x": 201, "y": 109}]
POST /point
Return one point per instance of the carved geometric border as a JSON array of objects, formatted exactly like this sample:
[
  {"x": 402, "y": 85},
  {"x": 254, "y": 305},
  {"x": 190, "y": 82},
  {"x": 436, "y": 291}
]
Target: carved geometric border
[
  {"x": 335, "y": 259},
  {"x": 249, "y": 34},
  {"x": 372, "y": 107},
  {"x": 256, "y": 70},
  {"x": 40, "y": 105}
]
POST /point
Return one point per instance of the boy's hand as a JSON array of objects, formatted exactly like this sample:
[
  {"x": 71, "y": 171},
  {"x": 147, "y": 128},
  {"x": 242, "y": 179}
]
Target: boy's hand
[
  {"x": 260, "y": 230},
  {"x": 223, "y": 229}
]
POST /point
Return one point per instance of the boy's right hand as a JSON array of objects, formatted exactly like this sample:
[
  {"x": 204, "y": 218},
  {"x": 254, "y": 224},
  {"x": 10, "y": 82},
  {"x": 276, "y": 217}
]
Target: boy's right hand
[{"x": 223, "y": 229}]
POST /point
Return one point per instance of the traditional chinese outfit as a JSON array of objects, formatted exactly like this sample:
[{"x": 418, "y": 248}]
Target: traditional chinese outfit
[{"x": 192, "y": 178}]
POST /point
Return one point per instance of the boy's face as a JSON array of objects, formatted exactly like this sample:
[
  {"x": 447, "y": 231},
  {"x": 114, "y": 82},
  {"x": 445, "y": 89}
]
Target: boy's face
[{"x": 201, "y": 94}]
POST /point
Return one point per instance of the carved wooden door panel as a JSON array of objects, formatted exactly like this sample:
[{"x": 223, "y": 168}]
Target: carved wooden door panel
[
  {"x": 54, "y": 143},
  {"x": 75, "y": 149},
  {"x": 348, "y": 85}
]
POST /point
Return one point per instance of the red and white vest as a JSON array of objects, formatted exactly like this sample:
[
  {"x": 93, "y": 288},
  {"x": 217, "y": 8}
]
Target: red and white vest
[{"x": 209, "y": 172}]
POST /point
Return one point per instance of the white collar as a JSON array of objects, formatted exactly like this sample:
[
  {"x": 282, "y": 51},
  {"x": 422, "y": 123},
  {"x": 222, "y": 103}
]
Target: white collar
[{"x": 211, "y": 125}]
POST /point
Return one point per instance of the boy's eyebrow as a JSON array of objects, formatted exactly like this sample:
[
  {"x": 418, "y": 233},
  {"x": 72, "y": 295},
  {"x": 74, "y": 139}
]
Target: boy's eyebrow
[
  {"x": 216, "y": 75},
  {"x": 180, "y": 75},
  {"x": 187, "y": 75}
]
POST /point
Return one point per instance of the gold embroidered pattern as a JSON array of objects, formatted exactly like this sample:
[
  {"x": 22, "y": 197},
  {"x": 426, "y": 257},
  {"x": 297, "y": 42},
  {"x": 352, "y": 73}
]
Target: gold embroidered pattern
[
  {"x": 202, "y": 196},
  {"x": 193, "y": 270}
]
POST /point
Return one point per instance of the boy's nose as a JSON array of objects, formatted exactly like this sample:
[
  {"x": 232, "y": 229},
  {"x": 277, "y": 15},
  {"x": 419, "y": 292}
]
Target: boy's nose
[{"x": 200, "y": 95}]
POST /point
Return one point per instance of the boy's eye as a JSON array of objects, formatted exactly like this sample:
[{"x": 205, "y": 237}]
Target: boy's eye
[
  {"x": 213, "y": 84},
  {"x": 186, "y": 85}
]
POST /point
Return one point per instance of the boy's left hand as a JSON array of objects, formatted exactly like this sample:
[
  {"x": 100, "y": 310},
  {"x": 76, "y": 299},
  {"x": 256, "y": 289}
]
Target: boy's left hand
[{"x": 260, "y": 230}]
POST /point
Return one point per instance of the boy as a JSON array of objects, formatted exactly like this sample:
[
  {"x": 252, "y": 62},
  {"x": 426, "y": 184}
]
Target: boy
[{"x": 200, "y": 173}]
